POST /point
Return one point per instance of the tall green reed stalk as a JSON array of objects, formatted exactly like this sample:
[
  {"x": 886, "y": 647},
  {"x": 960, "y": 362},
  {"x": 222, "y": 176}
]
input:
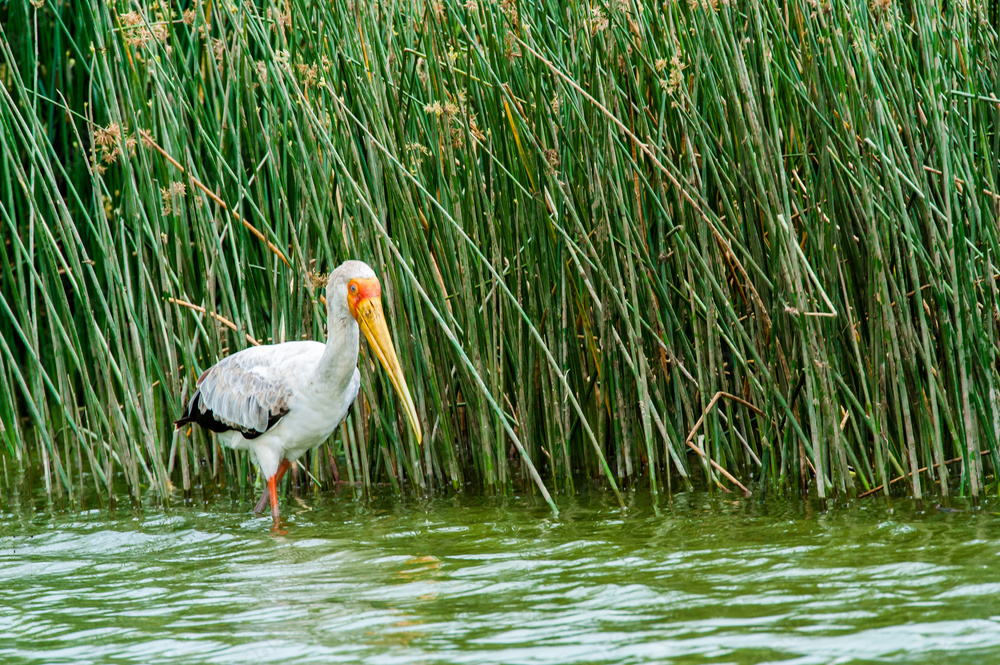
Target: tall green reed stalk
[{"x": 643, "y": 245}]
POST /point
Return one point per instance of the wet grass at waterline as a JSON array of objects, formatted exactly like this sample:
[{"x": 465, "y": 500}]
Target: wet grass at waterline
[{"x": 656, "y": 246}]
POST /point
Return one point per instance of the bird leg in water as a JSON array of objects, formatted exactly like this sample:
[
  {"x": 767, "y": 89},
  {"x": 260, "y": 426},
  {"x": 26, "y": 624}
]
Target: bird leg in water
[
  {"x": 272, "y": 488},
  {"x": 266, "y": 499}
]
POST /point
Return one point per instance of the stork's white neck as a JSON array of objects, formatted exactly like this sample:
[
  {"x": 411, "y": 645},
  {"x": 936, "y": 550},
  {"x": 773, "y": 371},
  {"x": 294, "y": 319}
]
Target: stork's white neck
[{"x": 340, "y": 358}]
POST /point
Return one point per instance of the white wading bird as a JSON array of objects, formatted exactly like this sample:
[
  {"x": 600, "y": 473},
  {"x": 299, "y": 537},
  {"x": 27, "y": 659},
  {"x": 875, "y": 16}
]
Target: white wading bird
[{"x": 280, "y": 400}]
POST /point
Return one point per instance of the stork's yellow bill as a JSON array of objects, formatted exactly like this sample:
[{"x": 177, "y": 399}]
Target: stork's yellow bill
[{"x": 365, "y": 302}]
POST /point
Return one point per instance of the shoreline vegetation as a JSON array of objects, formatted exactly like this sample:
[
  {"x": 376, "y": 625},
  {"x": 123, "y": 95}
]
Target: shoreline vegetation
[{"x": 648, "y": 245}]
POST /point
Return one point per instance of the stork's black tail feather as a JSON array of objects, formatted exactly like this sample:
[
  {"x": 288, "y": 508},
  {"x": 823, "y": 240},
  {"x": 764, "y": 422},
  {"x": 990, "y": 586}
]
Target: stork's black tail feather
[{"x": 193, "y": 414}]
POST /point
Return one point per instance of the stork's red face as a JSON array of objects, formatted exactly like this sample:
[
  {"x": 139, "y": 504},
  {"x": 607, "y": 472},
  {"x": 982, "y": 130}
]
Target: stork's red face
[
  {"x": 360, "y": 289},
  {"x": 364, "y": 300}
]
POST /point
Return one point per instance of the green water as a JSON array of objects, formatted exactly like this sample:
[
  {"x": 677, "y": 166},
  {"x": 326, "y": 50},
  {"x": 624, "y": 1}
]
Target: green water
[{"x": 472, "y": 580}]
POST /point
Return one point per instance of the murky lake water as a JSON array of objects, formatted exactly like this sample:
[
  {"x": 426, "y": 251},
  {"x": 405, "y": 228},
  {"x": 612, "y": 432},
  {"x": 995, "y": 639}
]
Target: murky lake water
[{"x": 473, "y": 580}]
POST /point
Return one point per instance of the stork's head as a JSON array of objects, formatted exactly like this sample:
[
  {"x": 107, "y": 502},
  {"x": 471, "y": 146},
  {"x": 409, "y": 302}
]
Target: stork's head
[{"x": 354, "y": 289}]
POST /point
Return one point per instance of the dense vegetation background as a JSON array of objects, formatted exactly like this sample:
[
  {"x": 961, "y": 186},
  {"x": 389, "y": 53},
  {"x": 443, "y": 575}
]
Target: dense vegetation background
[{"x": 648, "y": 244}]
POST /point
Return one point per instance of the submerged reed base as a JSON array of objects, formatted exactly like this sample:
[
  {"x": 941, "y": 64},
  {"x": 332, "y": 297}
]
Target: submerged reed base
[{"x": 653, "y": 245}]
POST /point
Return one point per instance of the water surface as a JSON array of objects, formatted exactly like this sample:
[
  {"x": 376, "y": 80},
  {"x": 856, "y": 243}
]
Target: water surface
[{"x": 701, "y": 579}]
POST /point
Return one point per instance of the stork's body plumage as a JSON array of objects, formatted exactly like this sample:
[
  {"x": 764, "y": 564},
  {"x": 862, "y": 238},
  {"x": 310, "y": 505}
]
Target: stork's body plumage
[
  {"x": 300, "y": 405},
  {"x": 280, "y": 400}
]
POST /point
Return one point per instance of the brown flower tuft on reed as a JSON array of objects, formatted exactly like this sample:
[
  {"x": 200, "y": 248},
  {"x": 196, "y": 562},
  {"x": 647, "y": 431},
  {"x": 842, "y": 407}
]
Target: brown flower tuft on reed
[
  {"x": 109, "y": 136},
  {"x": 170, "y": 196}
]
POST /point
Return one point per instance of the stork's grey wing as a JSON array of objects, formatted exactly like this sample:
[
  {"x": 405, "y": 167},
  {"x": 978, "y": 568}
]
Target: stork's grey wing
[{"x": 245, "y": 391}]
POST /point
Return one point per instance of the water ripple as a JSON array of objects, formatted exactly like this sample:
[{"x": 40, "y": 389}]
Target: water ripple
[{"x": 476, "y": 581}]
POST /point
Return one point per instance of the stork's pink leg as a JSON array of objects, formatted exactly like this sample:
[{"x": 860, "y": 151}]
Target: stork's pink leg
[
  {"x": 266, "y": 499},
  {"x": 272, "y": 488}
]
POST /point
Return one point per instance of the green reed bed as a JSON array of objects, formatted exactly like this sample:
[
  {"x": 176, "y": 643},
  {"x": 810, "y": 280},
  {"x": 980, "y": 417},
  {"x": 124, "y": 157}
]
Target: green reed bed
[{"x": 647, "y": 245}]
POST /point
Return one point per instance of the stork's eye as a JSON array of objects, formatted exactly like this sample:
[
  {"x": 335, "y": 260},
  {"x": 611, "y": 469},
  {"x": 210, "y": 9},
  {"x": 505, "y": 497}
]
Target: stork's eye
[{"x": 354, "y": 288}]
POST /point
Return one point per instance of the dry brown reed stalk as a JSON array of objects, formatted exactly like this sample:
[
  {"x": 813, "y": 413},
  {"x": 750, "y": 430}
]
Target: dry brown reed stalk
[
  {"x": 147, "y": 139},
  {"x": 221, "y": 319}
]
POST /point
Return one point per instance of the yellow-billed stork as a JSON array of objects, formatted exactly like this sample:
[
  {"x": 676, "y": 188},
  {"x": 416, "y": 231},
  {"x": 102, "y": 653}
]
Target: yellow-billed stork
[{"x": 280, "y": 400}]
